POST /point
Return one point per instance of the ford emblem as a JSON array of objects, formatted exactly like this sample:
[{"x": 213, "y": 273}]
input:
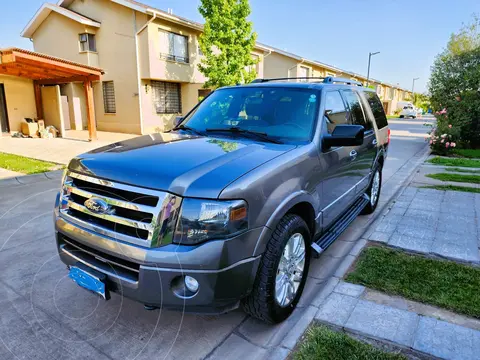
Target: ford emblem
[{"x": 97, "y": 206}]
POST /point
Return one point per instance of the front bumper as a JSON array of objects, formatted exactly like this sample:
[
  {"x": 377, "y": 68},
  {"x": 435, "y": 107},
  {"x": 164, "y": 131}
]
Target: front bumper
[{"x": 224, "y": 269}]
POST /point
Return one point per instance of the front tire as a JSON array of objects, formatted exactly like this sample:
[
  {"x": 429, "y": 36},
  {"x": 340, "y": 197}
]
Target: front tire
[
  {"x": 374, "y": 191},
  {"x": 282, "y": 272}
]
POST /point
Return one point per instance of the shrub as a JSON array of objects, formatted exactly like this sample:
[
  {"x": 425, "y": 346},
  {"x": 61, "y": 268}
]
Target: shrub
[
  {"x": 455, "y": 95},
  {"x": 442, "y": 138}
]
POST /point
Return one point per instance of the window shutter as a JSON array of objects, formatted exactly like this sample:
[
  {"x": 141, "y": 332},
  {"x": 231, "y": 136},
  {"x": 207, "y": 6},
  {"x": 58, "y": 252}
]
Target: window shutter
[
  {"x": 109, "y": 97},
  {"x": 167, "y": 97}
]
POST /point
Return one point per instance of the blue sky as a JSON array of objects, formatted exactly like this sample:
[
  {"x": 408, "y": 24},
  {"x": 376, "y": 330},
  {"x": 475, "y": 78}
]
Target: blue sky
[{"x": 408, "y": 33}]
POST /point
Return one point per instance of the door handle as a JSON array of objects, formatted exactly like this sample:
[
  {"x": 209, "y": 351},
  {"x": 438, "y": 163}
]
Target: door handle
[{"x": 353, "y": 154}]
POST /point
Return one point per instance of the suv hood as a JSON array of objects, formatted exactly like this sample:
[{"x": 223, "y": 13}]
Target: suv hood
[{"x": 191, "y": 166}]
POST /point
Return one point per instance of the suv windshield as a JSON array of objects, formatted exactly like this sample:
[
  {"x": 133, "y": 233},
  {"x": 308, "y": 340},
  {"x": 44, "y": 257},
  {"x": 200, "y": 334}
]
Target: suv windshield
[{"x": 285, "y": 114}]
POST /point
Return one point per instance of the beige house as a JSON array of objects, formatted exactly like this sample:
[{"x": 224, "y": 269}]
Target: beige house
[{"x": 150, "y": 60}]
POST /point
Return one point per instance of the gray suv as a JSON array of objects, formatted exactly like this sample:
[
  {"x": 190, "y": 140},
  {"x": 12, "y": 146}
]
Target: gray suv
[{"x": 227, "y": 208}]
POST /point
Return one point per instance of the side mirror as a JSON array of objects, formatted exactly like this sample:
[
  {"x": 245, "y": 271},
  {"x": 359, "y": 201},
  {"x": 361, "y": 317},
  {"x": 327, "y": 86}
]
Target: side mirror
[
  {"x": 177, "y": 121},
  {"x": 345, "y": 135}
]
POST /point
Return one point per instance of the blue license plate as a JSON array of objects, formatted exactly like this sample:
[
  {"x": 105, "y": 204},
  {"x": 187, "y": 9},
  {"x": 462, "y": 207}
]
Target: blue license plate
[{"x": 88, "y": 281}]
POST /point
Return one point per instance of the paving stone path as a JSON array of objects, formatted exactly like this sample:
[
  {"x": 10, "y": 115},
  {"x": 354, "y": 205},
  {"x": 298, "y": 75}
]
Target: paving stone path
[
  {"x": 445, "y": 223},
  {"x": 345, "y": 307}
]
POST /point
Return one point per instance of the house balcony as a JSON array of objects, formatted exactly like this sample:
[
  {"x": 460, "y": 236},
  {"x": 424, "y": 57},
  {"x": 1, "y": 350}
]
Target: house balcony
[{"x": 160, "y": 65}]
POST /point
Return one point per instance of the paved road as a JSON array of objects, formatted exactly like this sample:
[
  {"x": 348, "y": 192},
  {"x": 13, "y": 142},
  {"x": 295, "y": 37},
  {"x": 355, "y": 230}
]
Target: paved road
[{"x": 44, "y": 315}]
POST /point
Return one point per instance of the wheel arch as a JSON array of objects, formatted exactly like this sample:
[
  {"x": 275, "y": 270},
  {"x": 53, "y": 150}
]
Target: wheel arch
[{"x": 299, "y": 203}]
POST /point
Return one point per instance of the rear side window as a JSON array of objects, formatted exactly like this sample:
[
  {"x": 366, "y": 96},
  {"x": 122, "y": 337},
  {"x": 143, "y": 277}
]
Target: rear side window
[
  {"x": 356, "y": 112},
  {"x": 335, "y": 111},
  {"x": 377, "y": 109}
]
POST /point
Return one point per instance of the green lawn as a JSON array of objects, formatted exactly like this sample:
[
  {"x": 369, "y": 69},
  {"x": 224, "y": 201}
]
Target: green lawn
[
  {"x": 392, "y": 117},
  {"x": 455, "y": 162},
  {"x": 442, "y": 283},
  {"x": 323, "y": 343},
  {"x": 452, "y": 188},
  {"x": 467, "y": 153},
  {"x": 464, "y": 178},
  {"x": 25, "y": 165},
  {"x": 463, "y": 170}
]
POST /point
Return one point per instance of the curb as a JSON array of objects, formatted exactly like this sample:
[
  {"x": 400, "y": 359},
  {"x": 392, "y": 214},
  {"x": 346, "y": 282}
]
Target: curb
[
  {"x": 32, "y": 179},
  {"x": 289, "y": 342}
]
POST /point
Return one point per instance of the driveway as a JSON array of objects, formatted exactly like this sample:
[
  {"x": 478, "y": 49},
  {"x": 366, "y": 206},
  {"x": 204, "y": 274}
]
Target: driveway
[{"x": 44, "y": 315}]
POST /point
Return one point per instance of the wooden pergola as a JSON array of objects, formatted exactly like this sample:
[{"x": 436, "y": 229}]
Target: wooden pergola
[{"x": 49, "y": 70}]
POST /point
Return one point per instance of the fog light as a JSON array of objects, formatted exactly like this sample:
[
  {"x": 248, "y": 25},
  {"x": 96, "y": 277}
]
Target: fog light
[{"x": 191, "y": 284}]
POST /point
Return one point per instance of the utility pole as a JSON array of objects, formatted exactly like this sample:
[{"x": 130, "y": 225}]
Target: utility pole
[
  {"x": 413, "y": 88},
  {"x": 369, "y": 61}
]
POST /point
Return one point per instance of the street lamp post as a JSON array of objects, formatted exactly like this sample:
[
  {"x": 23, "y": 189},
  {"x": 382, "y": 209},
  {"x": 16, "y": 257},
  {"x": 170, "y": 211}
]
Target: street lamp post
[
  {"x": 369, "y": 60},
  {"x": 413, "y": 88}
]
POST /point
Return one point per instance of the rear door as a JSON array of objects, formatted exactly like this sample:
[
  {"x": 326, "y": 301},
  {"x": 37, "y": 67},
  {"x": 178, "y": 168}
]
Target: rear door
[
  {"x": 365, "y": 153},
  {"x": 380, "y": 117},
  {"x": 338, "y": 186}
]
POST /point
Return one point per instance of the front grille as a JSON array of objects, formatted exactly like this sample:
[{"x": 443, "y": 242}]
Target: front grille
[
  {"x": 132, "y": 214},
  {"x": 73, "y": 245}
]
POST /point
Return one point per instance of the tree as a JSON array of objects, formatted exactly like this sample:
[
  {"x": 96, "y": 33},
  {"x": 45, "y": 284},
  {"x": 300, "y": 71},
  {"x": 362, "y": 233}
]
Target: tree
[
  {"x": 467, "y": 39},
  {"x": 227, "y": 43},
  {"x": 421, "y": 101}
]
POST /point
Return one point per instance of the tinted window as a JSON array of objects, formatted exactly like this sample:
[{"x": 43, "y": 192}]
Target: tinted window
[
  {"x": 287, "y": 114},
  {"x": 335, "y": 111},
  {"x": 377, "y": 109},
  {"x": 357, "y": 116}
]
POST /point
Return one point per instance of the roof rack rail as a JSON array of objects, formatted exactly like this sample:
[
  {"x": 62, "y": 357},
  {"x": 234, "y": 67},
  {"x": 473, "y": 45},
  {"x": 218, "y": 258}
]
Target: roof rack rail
[
  {"x": 335, "y": 80},
  {"x": 256, "y": 81}
]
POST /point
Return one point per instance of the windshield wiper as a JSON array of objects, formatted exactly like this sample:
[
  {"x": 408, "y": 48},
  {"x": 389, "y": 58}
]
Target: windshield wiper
[
  {"x": 261, "y": 135},
  {"x": 188, "y": 128}
]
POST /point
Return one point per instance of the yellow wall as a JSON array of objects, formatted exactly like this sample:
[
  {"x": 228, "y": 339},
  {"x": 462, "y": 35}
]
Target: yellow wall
[
  {"x": 52, "y": 108},
  {"x": 115, "y": 41},
  {"x": 20, "y": 99},
  {"x": 276, "y": 65},
  {"x": 117, "y": 57},
  {"x": 153, "y": 122},
  {"x": 58, "y": 36}
]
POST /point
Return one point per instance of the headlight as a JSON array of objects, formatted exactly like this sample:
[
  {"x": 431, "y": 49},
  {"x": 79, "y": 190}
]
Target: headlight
[{"x": 201, "y": 220}]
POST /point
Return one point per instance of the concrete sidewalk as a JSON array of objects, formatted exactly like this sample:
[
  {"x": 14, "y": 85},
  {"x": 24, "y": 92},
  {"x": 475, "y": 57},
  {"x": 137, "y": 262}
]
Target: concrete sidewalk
[
  {"x": 8, "y": 174},
  {"x": 442, "y": 223}
]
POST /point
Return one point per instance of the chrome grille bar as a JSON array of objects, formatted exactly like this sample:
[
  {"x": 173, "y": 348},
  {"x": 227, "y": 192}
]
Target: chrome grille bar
[
  {"x": 116, "y": 185},
  {"x": 112, "y": 218},
  {"x": 126, "y": 224},
  {"x": 111, "y": 201}
]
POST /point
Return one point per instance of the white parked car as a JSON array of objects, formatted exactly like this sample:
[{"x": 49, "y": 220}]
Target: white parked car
[{"x": 408, "y": 111}]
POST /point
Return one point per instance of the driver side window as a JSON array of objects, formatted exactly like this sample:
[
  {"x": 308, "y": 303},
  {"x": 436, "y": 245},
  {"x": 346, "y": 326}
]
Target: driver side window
[{"x": 335, "y": 111}]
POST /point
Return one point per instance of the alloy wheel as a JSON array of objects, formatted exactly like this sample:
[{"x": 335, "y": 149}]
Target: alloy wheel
[
  {"x": 375, "y": 188},
  {"x": 290, "y": 270}
]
